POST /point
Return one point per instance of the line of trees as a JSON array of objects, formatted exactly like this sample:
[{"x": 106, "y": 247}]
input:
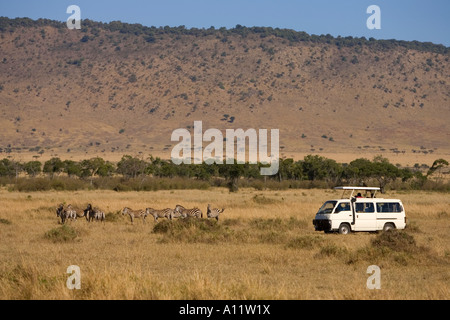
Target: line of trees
[
  {"x": 312, "y": 168},
  {"x": 151, "y": 34}
]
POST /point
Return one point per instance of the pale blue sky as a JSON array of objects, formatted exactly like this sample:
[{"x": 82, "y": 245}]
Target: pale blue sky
[{"x": 422, "y": 20}]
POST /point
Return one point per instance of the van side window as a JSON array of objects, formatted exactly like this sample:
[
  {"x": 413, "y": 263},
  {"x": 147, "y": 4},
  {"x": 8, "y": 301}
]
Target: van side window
[
  {"x": 365, "y": 207},
  {"x": 389, "y": 207},
  {"x": 343, "y": 206}
]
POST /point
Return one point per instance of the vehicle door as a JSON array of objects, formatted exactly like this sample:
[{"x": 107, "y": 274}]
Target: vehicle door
[
  {"x": 342, "y": 213},
  {"x": 365, "y": 216}
]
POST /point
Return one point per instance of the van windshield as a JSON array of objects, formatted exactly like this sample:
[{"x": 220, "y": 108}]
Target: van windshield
[{"x": 327, "y": 207}]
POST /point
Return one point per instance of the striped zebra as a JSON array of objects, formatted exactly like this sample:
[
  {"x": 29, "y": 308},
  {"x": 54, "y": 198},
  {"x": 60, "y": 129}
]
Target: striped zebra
[
  {"x": 176, "y": 214},
  {"x": 100, "y": 216},
  {"x": 134, "y": 214},
  {"x": 164, "y": 213},
  {"x": 65, "y": 214},
  {"x": 76, "y": 212},
  {"x": 213, "y": 213},
  {"x": 195, "y": 212},
  {"x": 71, "y": 213},
  {"x": 61, "y": 213},
  {"x": 94, "y": 214}
]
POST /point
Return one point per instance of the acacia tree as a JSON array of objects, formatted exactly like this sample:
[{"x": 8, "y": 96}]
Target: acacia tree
[
  {"x": 285, "y": 169},
  {"x": 33, "y": 168},
  {"x": 72, "y": 168},
  {"x": 384, "y": 171},
  {"x": 131, "y": 167},
  {"x": 232, "y": 172},
  {"x": 6, "y": 168},
  {"x": 53, "y": 166},
  {"x": 318, "y": 168},
  {"x": 438, "y": 165},
  {"x": 358, "y": 171},
  {"x": 97, "y": 167}
]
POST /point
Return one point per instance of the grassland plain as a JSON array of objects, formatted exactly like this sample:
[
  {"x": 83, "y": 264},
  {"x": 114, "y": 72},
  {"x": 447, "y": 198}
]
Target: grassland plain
[{"x": 263, "y": 247}]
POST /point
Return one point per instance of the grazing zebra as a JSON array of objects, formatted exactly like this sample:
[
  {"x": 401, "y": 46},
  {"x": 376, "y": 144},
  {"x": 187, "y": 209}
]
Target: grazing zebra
[
  {"x": 76, "y": 212},
  {"x": 65, "y": 214},
  {"x": 176, "y": 214},
  {"x": 100, "y": 216},
  {"x": 164, "y": 213},
  {"x": 71, "y": 213},
  {"x": 134, "y": 214},
  {"x": 61, "y": 213},
  {"x": 195, "y": 212},
  {"x": 94, "y": 214},
  {"x": 213, "y": 213}
]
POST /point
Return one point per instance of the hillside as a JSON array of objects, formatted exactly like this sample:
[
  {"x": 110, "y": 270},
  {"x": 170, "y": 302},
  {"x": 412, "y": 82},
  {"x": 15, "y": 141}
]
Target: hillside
[{"x": 115, "y": 89}]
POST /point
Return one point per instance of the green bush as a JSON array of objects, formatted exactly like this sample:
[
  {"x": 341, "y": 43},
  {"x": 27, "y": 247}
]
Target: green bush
[
  {"x": 5, "y": 221},
  {"x": 395, "y": 245},
  {"x": 64, "y": 233},
  {"x": 29, "y": 185},
  {"x": 45, "y": 184},
  {"x": 396, "y": 240}
]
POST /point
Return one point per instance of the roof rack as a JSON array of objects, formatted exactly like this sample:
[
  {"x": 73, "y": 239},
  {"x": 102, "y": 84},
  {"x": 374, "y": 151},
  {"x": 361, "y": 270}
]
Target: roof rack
[{"x": 366, "y": 189}]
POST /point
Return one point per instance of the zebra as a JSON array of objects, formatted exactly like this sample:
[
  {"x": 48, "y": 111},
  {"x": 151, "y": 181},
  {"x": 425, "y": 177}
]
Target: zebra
[
  {"x": 164, "y": 213},
  {"x": 213, "y": 213},
  {"x": 61, "y": 213},
  {"x": 100, "y": 215},
  {"x": 176, "y": 214},
  {"x": 94, "y": 213},
  {"x": 195, "y": 212},
  {"x": 76, "y": 212},
  {"x": 65, "y": 214},
  {"x": 71, "y": 213},
  {"x": 134, "y": 214}
]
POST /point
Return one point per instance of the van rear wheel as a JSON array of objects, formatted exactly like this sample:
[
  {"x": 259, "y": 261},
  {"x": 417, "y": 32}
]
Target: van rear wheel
[
  {"x": 344, "y": 228},
  {"x": 388, "y": 226}
]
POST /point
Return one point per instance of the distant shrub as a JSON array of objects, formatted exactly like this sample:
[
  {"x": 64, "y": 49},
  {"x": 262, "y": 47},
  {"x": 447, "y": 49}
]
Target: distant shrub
[
  {"x": 64, "y": 233},
  {"x": 192, "y": 230},
  {"x": 45, "y": 184},
  {"x": 395, "y": 240},
  {"x": 5, "y": 221},
  {"x": 36, "y": 184},
  {"x": 132, "y": 78},
  {"x": 76, "y": 62},
  {"x": 329, "y": 250},
  {"x": 396, "y": 245},
  {"x": 150, "y": 39},
  {"x": 304, "y": 242}
]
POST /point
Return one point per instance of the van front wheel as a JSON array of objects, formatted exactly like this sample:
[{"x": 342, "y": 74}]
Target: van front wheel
[
  {"x": 388, "y": 226},
  {"x": 344, "y": 229}
]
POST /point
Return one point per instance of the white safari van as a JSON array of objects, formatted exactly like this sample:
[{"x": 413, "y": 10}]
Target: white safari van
[{"x": 360, "y": 212}]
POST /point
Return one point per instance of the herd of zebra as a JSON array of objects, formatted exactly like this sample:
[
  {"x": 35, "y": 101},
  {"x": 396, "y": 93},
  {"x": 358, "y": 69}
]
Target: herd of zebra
[
  {"x": 72, "y": 213},
  {"x": 95, "y": 214}
]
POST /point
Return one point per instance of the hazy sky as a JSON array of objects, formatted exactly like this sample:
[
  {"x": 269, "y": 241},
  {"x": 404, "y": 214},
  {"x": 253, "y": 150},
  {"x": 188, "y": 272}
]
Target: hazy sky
[{"x": 422, "y": 20}]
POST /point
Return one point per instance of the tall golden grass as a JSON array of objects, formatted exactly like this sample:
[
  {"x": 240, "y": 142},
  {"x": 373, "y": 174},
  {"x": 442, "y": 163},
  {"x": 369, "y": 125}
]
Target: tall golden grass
[{"x": 263, "y": 247}]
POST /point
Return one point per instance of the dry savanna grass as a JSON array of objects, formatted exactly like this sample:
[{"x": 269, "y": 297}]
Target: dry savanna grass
[{"x": 263, "y": 247}]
